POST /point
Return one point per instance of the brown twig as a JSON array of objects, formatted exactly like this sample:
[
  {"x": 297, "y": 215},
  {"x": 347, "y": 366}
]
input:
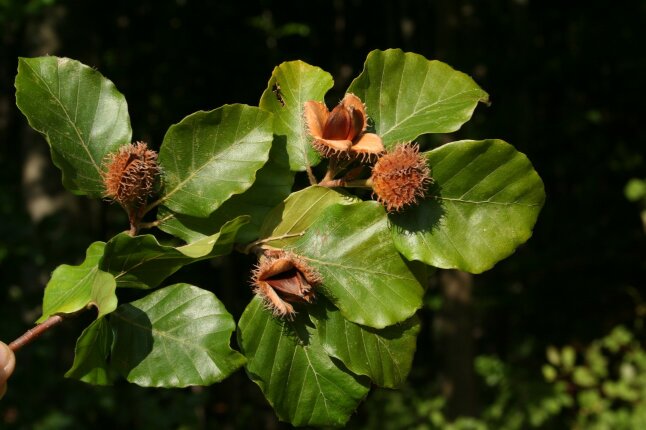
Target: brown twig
[
  {"x": 358, "y": 183},
  {"x": 310, "y": 174},
  {"x": 35, "y": 332}
]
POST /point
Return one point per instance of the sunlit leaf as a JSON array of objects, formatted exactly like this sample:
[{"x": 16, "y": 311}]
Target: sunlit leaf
[
  {"x": 385, "y": 355},
  {"x": 273, "y": 184},
  {"x": 210, "y": 156},
  {"x": 362, "y": 272},
  {"x": 142, "y": 262},
  {"x": 484, "y": 203},
  {"x": 79, "y": 112},
  {"x": 91, "y": 354},
  {"x": 72, "y": 288},
  {"x": 293, "y": 216},
  {"x": 293, "y": 370},
  {"x": 174, "y": 337},
  {"x": 407, "y": 95},
  {"x": 290, "y": 86}
]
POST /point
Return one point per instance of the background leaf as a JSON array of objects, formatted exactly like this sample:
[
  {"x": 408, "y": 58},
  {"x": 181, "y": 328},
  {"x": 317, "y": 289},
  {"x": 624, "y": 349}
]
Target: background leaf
[
  {"x": 79, "y": 112},
  {"x": 407, "y": 95},
  {"x": 91, "y": 354},
  {"x": 273, "y": 183},
  {"x": 484, "y": 203},
  {"x": 363, "y": 274},
  {"x": 384, "y": 355},
  {"x": 294, "y": 372},
  {"x": 72, "y": 288},
  {"x": 210, "y": 156},
  {"x": 174, "y": 337},
  {"x": 298, "y": 82},
  {"x": 142, "y": 262}
]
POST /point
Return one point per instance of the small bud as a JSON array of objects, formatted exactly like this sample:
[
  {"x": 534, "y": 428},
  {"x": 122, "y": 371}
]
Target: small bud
[
  {"x": 400, "y": 177},
  {"x": 283, "y": 277},
  {"x": 131, "y": 175}
]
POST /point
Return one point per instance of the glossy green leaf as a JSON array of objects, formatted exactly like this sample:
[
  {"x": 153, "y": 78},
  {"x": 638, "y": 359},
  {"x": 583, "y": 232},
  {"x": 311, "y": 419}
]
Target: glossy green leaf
[
  {"x": 292, "y": 217},
  {"x": 174, "y": 337},
  {"x": 273, "y": 183},
  {"x": 210, "y": 156},
  {"x": 484, "y": 203},
  {"x": 91, "y": 354},
  {"x": 407, "y": 95},
  {"x": 72, "y": 288},
  {"x": 79, "y": 112},
  {"x": 290, "y": 86},
  {"x": 142, "y": 262},
  {"x": 293, "y": 370},
  {"x": 385, "y": 355},
  {"x": 363, "y": 274}
]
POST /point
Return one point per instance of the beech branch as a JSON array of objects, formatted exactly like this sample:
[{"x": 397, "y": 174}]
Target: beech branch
[{"x": 35, "y": 332}]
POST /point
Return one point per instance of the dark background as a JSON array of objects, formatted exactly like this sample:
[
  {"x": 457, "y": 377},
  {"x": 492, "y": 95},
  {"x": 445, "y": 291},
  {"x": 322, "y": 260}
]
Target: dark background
[{"x": 567, "y": 82}]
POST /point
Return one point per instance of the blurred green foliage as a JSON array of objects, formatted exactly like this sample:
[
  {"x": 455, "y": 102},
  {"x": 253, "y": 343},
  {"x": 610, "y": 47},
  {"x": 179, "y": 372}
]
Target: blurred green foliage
[{"x": 566, "y": 81}]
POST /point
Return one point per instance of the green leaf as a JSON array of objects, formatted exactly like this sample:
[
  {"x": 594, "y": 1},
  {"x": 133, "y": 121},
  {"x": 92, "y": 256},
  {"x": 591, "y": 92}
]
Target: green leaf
[
  {"x": 407, "y": 95},
  {"x": 273, "y": 183},
  {"x": 210, "y": 156},
  {"x": 142, "y": 262},
  {"x": 583, "y": 377},
  {"x": 292, "y": 217},
  {"x": 72, "y": 288},
  {"x": 363, "y": 275},
  {"x": 174, "y": 337},
  {"x": 296, "y": 375},
  {"x": 91, "y": 354},
  {"x": 384, "y": 355},
  {"x": 290, "y": 86},
  {"x": 79, "y": 112},
  {"x": 484, "y": 203}
]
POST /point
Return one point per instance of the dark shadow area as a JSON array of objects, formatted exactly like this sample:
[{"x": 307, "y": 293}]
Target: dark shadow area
[
  {"x": 421, "y": 218},
  {"x": 133, "y": 339}
]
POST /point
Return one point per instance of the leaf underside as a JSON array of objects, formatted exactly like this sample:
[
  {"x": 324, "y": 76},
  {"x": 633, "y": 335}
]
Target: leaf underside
[{"x": 73, "y": 288}]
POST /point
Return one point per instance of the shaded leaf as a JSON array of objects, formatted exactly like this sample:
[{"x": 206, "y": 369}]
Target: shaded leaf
[
  {"x": 363, "y": 274},
  {"x": 294, "y": 372},
  {"x": 290, "y": 86},
  {"x": 142, "y": 262},
  {"x": 210, "y": 156},
  {"x": 484, "y": 203},
  {"x": 79, "y": 112},
  {"x": 407, "y": 95},
  {"x": 91, "y": 354},
  {"x": 384, "y": 355},
  {"x": 174, "y": 337},
  {"x": 273, "y": 184},
  {"x": 72, "y": 288}
]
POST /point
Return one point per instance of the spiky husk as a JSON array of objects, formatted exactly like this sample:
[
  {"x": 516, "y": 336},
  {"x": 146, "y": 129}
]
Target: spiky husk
[
  {"x": 400, "y": 177},
  {"x": 131, "y": 174},
  {"x": 282, "y": 277}
]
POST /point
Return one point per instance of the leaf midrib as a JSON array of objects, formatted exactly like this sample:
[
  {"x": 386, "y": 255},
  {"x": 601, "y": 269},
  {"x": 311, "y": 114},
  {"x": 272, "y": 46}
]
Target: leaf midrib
[
  {"x": 212, "y": 159},
  {"x": 78, "y": 133},
  {"x": 422, "y": 111}
]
